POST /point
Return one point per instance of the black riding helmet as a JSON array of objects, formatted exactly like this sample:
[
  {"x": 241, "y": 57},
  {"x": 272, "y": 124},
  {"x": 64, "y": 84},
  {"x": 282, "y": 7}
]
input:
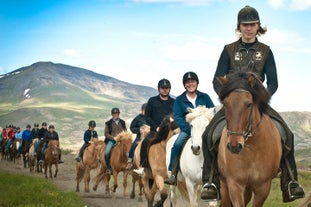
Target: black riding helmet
[
  {"x": 164, "y": 83},
  {"x": 92, "y": 123},
  {"x": 44, "y": 124},
  {"x": 115, "y": 110},
  {"x": 248, "y": 15},
  {"x": 51, "y": 126},
  {"x": 190, "y": 75}
]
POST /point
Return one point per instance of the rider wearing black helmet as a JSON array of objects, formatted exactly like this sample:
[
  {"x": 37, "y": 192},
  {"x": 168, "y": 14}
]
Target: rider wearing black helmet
[
  {"x": 50, "y": 135},
  {"x": 243, "y": 55},
  {"x": 89, "y": 135},
  {"x": 190, "y": 98}
]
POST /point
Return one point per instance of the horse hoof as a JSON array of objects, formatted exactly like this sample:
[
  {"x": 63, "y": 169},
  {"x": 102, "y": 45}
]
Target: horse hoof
[{"x": 132, "y": 196}]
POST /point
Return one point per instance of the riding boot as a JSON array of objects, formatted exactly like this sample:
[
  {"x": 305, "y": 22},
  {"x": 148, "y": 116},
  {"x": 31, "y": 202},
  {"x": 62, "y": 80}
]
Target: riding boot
[
  {"x": 60, "y": 161},
  {"x": 291, "y": 189},
  {"x": 172, "y": 178},
  {"x": 210, "y": 175}
]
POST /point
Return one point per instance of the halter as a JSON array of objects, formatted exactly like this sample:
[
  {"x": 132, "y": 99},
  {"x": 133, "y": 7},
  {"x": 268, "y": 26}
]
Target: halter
[{"x": 249, "y": 131}]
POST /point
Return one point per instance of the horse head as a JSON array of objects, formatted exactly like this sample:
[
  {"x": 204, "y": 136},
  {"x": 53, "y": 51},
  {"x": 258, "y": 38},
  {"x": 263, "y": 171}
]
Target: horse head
[
  {"x": 125, "y": 138},
  {"x": 198, "y": 118},
  {"x": 243, "y": 97}
]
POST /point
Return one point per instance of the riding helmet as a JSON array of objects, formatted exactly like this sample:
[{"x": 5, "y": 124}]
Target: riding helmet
[
  {"x": 44, "y": 124},
  {"x": 28, "y": 126},
  {"x": 36, "y": 125},
  {"x": 248, "y": 14},
  {"x": 51, "y": 126},
  {"x": 190, "y": 75},
  {"x": 92, "y": 123},
  {"x": 164, "y": 83},
  {"x": 115, "y": 110}
]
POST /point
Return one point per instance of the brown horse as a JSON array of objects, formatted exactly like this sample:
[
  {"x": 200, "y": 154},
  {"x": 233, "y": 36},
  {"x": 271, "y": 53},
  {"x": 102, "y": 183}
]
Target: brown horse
[
  {"x": 32, "y": 157},
  {"x": 155, "y": 174},
  {"x": 144, "y": 131},
  {"x": 118, "y": 160},
  {"x": 250, "y": 146},
  {"x": 90, "y": 161},
  {"x": 51, "y": 157}
]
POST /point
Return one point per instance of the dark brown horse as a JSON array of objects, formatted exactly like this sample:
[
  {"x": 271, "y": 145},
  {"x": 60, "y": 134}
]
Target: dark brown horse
[
  {"x": 51, "y": 157},
  {"x": 250, "y": 146}
]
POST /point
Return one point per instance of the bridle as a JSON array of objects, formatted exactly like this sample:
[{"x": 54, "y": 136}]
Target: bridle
[{"x": 249, "y": 130}]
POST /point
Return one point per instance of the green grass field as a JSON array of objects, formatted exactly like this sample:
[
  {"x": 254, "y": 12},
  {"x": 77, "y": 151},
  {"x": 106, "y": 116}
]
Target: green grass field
[{"x": 27, "y": 191}]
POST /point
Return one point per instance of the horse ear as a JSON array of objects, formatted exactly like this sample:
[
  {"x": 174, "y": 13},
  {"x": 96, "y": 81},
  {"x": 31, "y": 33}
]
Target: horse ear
[
  {"x": 252, "y": 80},
  {"x": 222, "y": 80}
]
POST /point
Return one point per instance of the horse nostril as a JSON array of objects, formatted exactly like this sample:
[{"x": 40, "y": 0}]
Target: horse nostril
[
  {"x": 239, "y": 147},
  {"x": 229, "y": 147}
]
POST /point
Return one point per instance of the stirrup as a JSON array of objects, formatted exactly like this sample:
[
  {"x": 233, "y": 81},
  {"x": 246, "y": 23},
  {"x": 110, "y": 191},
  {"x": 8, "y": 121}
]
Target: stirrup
[
  {"x": 208, "y": 186},
  {"x": 294, "y": 184}
]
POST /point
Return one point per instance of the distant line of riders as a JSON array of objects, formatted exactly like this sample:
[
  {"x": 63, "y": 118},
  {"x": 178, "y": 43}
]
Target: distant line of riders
[{"x": 12, "y": 134}]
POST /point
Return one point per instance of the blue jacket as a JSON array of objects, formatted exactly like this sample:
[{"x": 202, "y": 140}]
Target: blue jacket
[
  {"x": 182, "y": 103},
  {"x": 27, "y": 135},
  {"x": 89, "y": 135}
]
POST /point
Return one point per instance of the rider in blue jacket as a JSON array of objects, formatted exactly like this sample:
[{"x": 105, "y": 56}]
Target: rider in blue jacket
[{"x": 191, "y": 98}]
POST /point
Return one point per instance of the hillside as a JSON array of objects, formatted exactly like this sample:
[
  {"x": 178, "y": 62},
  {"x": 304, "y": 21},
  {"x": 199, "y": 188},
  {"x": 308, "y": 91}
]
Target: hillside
[
  {"x": 67, "y": 97},
  {"x": 70, "y": 96}
]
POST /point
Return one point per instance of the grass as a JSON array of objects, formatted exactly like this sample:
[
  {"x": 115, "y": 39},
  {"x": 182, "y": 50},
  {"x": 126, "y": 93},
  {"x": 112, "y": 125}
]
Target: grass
[{"x": 27, "y": 191}]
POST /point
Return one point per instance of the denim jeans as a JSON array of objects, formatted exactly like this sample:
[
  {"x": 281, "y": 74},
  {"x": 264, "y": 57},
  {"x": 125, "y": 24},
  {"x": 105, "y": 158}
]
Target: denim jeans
[
  {"x": 109, "y": 146},
  {"x": 181, "y": 139},
  {"x": 133, "y": 147}
]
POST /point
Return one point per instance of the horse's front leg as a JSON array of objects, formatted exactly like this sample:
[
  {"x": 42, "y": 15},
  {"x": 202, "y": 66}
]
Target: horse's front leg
[
  {"x": 261, "y": 193},
  {"x": 192, "y": 192},
  {"x": 115, "y": 181},
  {"x": 50, "y": 170},
  {"x": 147, "y": 183},
  {"x": 236, "y": 193},
  {"x": 125, "y": 174},
  {"x": 133, "y": 186},
  {"x": 56, "y": 170},
  {"x": 159, "y": 181},
  {"x": 87, "y": 179}
]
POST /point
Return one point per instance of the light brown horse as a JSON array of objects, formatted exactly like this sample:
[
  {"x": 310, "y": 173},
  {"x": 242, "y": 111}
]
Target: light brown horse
[
  {"x": 144, "y": 131},
  {"x": 157, "y": 171},
  {"x": 51, "y": 157},
  {"x": 90, "y": 161},
  {"x": 118, "y": 160},
  {"x": 250, "y": 146}
]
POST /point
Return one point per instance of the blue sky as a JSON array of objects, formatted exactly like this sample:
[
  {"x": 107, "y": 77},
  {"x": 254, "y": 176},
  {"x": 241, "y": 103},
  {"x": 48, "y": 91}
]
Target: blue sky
[{"x": 142, "y": 41}]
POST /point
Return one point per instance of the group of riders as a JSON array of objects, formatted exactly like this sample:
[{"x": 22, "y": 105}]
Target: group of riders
[
  {"x": 12, "y": 139},
  {"x": 243, "y": 55}
]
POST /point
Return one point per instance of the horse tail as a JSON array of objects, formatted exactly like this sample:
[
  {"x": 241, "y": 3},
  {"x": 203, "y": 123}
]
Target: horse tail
[{"x": 183, "y": 190}]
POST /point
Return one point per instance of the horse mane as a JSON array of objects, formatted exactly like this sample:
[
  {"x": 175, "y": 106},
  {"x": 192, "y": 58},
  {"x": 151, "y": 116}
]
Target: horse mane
[
  {"x": 166, "y": 125},
  {"x": 250, "y": 82},
  {"x": 200, "y": 110},
  {"x": 125, "y": 135}
]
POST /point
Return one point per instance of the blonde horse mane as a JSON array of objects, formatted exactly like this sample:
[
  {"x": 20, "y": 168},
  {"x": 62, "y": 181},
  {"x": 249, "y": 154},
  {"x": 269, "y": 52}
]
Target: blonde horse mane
[
  {"x": 125, "y": 135},
  {"x": 200, "y": 110}
]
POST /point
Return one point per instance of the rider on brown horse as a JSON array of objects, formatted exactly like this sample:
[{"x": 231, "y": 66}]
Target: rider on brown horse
[
  {"x": 89, "y": 135},
  {"x": 248, "y": 54},
  {"x": 50, "y": 135}
]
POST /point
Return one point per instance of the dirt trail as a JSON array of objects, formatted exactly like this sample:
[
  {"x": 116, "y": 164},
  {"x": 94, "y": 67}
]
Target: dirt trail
[{"x": 66, "y": 181}]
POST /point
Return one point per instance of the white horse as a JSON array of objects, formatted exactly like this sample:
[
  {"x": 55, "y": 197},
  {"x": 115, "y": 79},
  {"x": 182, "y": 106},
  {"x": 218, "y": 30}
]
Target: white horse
[{"x": 191, "y": 159}]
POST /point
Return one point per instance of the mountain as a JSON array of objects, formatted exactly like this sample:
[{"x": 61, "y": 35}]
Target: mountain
[{"x": 69, "y": 97}]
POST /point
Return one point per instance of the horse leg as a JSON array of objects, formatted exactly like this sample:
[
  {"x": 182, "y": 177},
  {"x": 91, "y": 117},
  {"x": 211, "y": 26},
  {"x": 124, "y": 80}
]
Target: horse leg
[
  {"x": 236, "y": 193},
  {"x": 125, "y": 174},
  {"x": 78, "y": 176},
  {"x": 132, "y": 196},
  {"x": 225, "y": 198},
  {"x": 46, "y": 170},
  {"x": 50, "y": 170},
  {"x": 173, "y": 196},
  {"x": 107, "y": 185},
  {"x": 261, "y": 193},
  {"x": 147, "y": 186},
  {"x": 141, "y": 188},
  {"x": 159, "y": 181},
  {"x": 115, "y": 181},
  {"x": 56, "y": 170},
  {"x": 192, "y": 192},
  {"x": 87, "y": 179}
]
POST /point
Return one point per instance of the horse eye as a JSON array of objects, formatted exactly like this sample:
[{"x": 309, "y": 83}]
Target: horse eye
[{"x": 250, "y": 105}]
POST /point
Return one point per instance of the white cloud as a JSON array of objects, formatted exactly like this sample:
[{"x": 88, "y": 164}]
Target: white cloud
[
  {"x": 291, "y": 4},
  {"x": 71, "y": 52}
]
